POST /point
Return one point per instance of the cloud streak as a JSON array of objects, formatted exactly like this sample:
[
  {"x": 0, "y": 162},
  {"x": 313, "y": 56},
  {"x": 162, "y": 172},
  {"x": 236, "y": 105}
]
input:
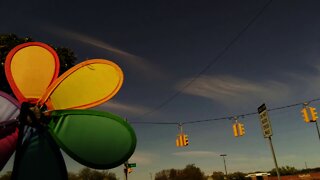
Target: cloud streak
[
  {"x": 196, "y": 154},
  {"x": 138, "y": 64},
  {"x": 122, "y": 108},
  {"x": 143, "y": 158},
  {"x": 229, "y": 90},
  {"x": 249, "y": 162}
]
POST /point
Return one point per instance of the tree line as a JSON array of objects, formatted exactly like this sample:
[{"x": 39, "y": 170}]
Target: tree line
[
  {"x": 191, "y": 172},
  {"x": 83, "y": 174}
]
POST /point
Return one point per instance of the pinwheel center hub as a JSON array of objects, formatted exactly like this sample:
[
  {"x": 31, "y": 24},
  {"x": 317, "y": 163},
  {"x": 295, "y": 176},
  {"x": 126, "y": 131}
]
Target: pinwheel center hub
[{"x": 32, "y": 115}]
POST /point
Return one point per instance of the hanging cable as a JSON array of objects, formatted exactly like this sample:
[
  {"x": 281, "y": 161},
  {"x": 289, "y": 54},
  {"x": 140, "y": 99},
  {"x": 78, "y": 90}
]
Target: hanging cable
[
  {"x": 211, "y": 63},
  {"x": 141, "y": 122},
  {"x": 227, "y": 117}
]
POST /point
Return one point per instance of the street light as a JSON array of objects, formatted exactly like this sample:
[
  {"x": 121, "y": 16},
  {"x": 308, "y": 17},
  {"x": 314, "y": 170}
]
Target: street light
[{"x": 224, "y": 161}]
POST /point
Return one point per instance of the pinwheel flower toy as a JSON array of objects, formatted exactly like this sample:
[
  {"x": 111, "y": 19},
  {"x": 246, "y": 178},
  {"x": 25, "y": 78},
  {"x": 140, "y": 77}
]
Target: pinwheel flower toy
[{"x": 48, "y": 114}]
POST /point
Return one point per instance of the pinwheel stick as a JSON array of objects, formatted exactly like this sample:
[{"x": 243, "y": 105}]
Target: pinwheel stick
[{"x": 25, "y": 114}]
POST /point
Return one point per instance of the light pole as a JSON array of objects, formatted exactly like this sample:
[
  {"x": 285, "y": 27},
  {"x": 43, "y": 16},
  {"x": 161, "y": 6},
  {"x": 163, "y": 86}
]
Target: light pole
[{"x": 224, "y": 161}]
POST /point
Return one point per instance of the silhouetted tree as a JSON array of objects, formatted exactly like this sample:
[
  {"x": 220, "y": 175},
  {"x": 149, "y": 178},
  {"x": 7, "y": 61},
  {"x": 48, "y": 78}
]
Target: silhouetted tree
[
  {"x": 83, "y": 174},
  {"x": 67, "y": 58},
  {"x": 89, "y": 174},
  {"x": 173, "y": 174},
  {"x": 9, "y": 41},
  {"x": 190, "y": 172},
  {"x": 217, "y": 175},
  {"x": 284, "y": 170},
  {"x": 161, "y": 176},
  {"x": 237, "y": 176}
]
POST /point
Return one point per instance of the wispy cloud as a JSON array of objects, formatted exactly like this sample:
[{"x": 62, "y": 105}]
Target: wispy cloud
[
  {"x": 308, "y": 84},
  {"x": 139, "y": 64},
  {"x": 257, "y": 163},
  {"x": 233, "y": 91},
  {"x": 250, "y": 159},
  {"x": 228, "y": 90},
  {"x": 144, "y": 158},
  {"x": 121, "y": 108},
  {"x": 198, "y": 154}
]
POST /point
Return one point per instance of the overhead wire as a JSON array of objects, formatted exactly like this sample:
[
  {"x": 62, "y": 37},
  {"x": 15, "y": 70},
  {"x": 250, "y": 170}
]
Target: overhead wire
[
  {"x": 142, "y": 122},
  {"x": 226, "y": 117},
  {"x": 210, "y": 64}
]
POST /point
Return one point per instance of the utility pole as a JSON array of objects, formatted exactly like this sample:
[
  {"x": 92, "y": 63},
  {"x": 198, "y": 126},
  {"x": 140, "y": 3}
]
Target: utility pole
[
  {"x": 125, "y": 170},
  {"x": 274, "y": 158},
  {"x": 305, "y": 163},
  {"x": 318, "y": 129},
  {"x": 267, "y": 132},
  {"x": 224, "y": 162}
]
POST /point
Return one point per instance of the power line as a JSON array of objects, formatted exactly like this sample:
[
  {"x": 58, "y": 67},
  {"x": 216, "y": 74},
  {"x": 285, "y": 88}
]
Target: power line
[
  {"x": 211, "y": 63},
  {"x": 226, "y": 117},
  {"x": 141, "y": 122}
]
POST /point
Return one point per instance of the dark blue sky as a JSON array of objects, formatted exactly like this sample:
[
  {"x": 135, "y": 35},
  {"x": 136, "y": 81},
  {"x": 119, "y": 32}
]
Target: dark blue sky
[{"x": 162, "y": 45}]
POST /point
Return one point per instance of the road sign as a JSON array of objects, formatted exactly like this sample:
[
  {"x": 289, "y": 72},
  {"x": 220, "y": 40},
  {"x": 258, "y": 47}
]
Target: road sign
[
  {"x": 130, "y": 165},
  {"x": 265, "y": 122}
]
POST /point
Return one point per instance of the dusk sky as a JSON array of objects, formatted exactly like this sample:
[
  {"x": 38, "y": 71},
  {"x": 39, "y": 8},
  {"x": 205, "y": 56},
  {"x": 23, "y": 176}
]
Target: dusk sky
[{"x": 189, "y": 60}]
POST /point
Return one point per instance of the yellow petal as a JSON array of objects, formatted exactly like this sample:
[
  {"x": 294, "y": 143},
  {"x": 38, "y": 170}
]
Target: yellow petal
[
  {"x": 30, "y": 68},
  {"x": 85, "y": 85}
]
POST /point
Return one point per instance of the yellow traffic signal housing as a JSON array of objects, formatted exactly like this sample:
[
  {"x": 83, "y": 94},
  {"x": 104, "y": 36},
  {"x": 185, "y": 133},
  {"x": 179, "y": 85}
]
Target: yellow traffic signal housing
[
  {"x": 235, "y": 129},
  {"x": 127, "y": 170},
  {"x": 238, "y": 129},
  {"x": 179, "y": 140},
  {"x": 185, "y": 140},
  {"x": 309, "y": 114},
  {"x": 182, "y": 140},
  {"x": 241, "y": 129},
  {"x": 314, "y": 114},
  {"x": 305, "y": 115}
]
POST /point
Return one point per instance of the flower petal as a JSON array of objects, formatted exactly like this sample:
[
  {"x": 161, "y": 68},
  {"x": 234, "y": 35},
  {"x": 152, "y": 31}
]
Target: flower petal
[
  {"x": 30, "y": 68},
  {"x": 96, "y": 139}
]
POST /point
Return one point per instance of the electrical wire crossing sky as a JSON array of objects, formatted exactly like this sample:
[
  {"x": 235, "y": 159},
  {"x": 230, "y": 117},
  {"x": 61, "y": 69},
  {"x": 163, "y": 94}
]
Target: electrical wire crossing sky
[{"x": 199, "y": 64}]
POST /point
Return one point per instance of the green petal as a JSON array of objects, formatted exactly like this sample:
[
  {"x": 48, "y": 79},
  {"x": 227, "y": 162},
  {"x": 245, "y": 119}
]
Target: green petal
[{"x": 96, "y": 139}]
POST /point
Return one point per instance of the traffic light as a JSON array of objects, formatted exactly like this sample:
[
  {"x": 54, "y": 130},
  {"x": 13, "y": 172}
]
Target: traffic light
[
  {"x": 305, "y": 115},
  {"x": 179, "y": 142},
  {"x": 185, "y": 140},
  {"x": 309, "y": 114},
  {"x": 241, "y": 129},
  {"x": 182, "y": 140},
  {"x": 238, "y": 129},
  {"x": 128, "y": 170},
  {"x": 314, "y": 114},
  {"x": 235, "y": 129}
]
